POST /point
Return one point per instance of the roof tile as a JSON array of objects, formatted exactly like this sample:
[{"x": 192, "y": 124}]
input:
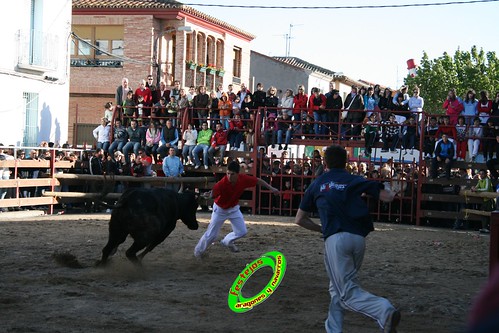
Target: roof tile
[{"x": 156, "y": 4}]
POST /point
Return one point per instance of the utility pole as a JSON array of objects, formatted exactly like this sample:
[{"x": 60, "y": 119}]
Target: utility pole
[{"x": 288, "y": 38}]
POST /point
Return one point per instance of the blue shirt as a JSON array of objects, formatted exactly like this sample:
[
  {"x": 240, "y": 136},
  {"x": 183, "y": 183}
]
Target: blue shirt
[
  {"x": 336, "y": 195},
  {"x": 172, "y": 166}
]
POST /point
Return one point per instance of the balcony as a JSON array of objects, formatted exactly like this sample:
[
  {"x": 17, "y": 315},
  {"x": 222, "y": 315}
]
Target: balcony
[
  {"x": 110, "y": 63},
  {"x": 38, "y": 51}
]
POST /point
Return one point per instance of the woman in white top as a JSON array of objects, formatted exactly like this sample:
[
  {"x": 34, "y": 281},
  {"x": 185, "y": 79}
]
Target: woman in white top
[
  {"x": 153, "y": 137},
  {"x": 189, "y": 136},
  {"x": 287, "y": 102},
  {"x": 475, "y": 134},
  {"x": 416, "y": 104}
]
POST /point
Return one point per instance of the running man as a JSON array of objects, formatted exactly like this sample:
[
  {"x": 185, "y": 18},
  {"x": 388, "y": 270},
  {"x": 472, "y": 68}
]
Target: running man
[
  {"x": 345, "y": 222},
  {"x": 226, "y": 194}
]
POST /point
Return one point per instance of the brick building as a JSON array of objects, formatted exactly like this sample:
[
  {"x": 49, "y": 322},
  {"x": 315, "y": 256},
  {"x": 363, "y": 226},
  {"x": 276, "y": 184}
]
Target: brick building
[{"x": 115, "y": 39}]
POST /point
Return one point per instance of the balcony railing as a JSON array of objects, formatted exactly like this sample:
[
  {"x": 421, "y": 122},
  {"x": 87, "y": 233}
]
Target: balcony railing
[
  {"x": 38, "y": 50},
  {"x": 113, "y": 63}
]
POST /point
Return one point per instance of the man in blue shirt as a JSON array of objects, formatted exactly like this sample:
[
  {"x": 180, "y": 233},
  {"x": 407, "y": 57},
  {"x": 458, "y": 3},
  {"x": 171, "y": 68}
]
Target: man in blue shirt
[
  {"x": 345, "y": 222},
  {"x": 444, "y": 152},
  {"x": 173, "y": 167}
]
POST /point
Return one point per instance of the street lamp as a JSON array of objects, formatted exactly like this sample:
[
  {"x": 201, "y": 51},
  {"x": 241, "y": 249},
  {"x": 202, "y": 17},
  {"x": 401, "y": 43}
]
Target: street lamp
[{"x": 156, "y": 45}]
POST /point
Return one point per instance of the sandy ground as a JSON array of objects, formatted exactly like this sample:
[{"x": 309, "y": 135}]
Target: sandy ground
[{"x": 432, "y": 275}]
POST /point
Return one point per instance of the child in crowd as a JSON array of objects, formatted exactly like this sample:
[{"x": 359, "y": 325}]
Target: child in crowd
[
  {"x": 410, "y": 134},
  {"x": 461, "y": 132},
  {"x": 172, "y": 109},
  {"x": 108, "y": 111},
  {"x": 429, "y": 140},
  {"x": 140, "y": 109},
  {"x": 371, "y": 134},
  {"x": 129, "y": 107},
  {"x": 475, "y": 133},
  {"x": 250, "y": 133}
]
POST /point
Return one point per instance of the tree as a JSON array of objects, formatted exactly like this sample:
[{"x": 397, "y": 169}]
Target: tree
[{"x": 466, "y": 70}]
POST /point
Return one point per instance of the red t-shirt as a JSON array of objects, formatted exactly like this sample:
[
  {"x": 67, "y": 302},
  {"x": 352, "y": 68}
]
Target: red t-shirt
[{"x": 227, "y": 195}]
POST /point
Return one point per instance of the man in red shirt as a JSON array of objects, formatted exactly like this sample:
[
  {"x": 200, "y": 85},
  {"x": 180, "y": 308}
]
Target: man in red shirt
[{"x": 226, "y": 194}]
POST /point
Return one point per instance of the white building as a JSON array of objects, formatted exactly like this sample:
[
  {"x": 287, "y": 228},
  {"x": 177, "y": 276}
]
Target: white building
[
  {"x": 289, "y": 72},
  {"x": 34, "y": 71}
]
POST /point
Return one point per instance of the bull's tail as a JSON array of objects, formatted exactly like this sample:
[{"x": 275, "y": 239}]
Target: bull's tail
[{"x": 107, "y": 187}]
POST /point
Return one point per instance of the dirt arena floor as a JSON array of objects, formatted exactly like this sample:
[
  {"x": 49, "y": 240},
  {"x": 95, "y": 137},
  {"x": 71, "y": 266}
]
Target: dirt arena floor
[{"x": 432, "y": 275}]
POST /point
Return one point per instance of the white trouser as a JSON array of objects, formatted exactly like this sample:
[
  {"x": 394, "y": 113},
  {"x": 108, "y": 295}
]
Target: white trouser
[
  {"x": 343, "y": 257},
  {"x": 473, "y": 145},
  {"x": 218, "y": 218}
]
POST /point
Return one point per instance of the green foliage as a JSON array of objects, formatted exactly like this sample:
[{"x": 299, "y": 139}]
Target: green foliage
[{"x": 476, "y": 69}]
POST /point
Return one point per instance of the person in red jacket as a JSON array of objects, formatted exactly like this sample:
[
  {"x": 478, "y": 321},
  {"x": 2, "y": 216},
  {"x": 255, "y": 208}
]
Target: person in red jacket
[
  {"x": 300, "y": 101},
  {"x": 236, "y": 130},
  {"x": 484, "y": 107},
  {"x": 317, "y": 109},
  {"x": 218, "y": 143},
  {"x": 446, "y": 128},
  {"x": 145, "y": 92},
  {"x": 453, "y": 107}
]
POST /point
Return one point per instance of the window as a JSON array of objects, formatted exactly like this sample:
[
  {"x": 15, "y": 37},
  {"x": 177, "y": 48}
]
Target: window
[
  {"x": 30, "y": 137},
  {"x": 236, "y": 62},
  {"x": 107, "y": 39},
  {"x": 37, "y": 50},
  {"x": 189, "y": 48}
]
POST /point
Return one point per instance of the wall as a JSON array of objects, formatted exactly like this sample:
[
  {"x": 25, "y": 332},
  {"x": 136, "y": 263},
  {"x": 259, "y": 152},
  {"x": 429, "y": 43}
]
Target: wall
[
  {"x": 52, "y": 100},
  {"x": 271, "y": 72}
]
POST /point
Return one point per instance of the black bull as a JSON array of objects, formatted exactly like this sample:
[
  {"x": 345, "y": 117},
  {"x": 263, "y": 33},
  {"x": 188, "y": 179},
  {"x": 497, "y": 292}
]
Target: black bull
[{"x": 149, "y": 215}]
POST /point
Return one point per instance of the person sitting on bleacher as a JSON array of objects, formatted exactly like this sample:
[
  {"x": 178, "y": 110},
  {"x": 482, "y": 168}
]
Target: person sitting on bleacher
[
  {"x": 391, "y": 130},
  {"x": 429, "y": 137},
  {"x": 120, "y": 137},
  {"x": 218, "y": 144},
  {"x": 284, "y": 128},
  {"x": 444, "y": 152},
  {"x": 475, "y": 133},
  {"x": 484, "y": 185},
  {"x": 236, "y": 130},
  {"x": 136, "y": 140},
  {"x": 204, "y": 138},
  {"x": 169, "y": 138},
  {"x": 270, "y": 130}
]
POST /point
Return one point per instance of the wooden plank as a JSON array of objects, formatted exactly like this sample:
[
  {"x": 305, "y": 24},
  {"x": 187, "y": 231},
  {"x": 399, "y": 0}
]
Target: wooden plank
[
  {"x": 237, "y": 153},
  {"x": 31, "y": 182},
  {"x": 242, "y": 203},
  {"x": 36, "y": 164},
  {"x": 475, "y": 212},
  {"x": 19, "y": 202},
  {"x": 488, "y": 195},
  {"x": 212, "y": 169},
  {"x": 452, "y": 181},
  {"x": 81, "y": 195},
  {"x": 468, "y": 165},
  {"x": 161, "y": 180},
  {"x": 449, "y": 198},
  {"x": 438, "y": 214}
]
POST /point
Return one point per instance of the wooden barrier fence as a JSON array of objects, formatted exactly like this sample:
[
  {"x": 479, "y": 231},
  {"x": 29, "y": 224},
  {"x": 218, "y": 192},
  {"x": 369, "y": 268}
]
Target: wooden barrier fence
[{"x": 494, "y": 225}]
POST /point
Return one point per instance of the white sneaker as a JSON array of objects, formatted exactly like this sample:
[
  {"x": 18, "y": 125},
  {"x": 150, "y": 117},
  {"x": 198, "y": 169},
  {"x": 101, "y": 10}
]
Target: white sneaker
[
  {"x": 231, "y": 246},
  {"x": 197, "y": 167},
  {"x": 206, "y": 167},
  {"x": 109, "y": 210}
]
